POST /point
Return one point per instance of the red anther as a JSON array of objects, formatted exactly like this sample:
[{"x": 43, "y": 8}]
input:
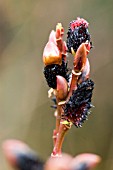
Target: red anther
[{"x": 78, "y": 22}]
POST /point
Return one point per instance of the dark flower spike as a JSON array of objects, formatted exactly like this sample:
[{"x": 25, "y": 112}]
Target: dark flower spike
[
  {"x": 20, "y": 156},
  {"x": 51, "y": 71},
  {"x": 77, "y": 34},
  {"x": 76, "y": 109}
]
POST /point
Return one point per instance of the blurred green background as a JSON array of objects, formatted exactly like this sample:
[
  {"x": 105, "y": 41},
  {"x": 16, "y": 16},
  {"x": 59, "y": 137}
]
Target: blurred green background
[{"x": 25, "y": 111}]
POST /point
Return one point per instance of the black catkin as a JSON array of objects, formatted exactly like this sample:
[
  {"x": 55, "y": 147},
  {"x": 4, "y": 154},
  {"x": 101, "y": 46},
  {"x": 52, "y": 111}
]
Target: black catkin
[
  {"x": 77, "y": 108},
  {"x": 51, "y": 71},
  {"x": 77, "y": 36}
]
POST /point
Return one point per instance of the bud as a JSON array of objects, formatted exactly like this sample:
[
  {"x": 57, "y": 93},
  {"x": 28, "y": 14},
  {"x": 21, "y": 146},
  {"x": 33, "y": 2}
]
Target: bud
[
  {"x": 51, "y": 54},
  {"x": 80, "y": 58},
  {"x": 60, "y": 43},
  {"x": 59, "y": 31},
  {"x": 62, "y": 88}
]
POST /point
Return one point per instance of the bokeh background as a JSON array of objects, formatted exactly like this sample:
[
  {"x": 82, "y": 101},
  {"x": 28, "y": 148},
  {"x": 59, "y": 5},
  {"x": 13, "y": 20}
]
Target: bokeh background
[{"x": 25, "y": 111}]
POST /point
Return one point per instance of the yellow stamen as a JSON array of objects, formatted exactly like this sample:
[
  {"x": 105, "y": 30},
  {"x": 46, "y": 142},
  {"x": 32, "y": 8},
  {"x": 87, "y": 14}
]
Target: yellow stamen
[
  {"x": 62, "y": 102},
  {"x": 72, "y": 51},
  {"x": 50, "y": 92}
]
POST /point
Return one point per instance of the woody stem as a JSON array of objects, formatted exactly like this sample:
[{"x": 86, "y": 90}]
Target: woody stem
[
  {"x": 58, "y": 118},
  {"x": 59, "y": 140}
]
